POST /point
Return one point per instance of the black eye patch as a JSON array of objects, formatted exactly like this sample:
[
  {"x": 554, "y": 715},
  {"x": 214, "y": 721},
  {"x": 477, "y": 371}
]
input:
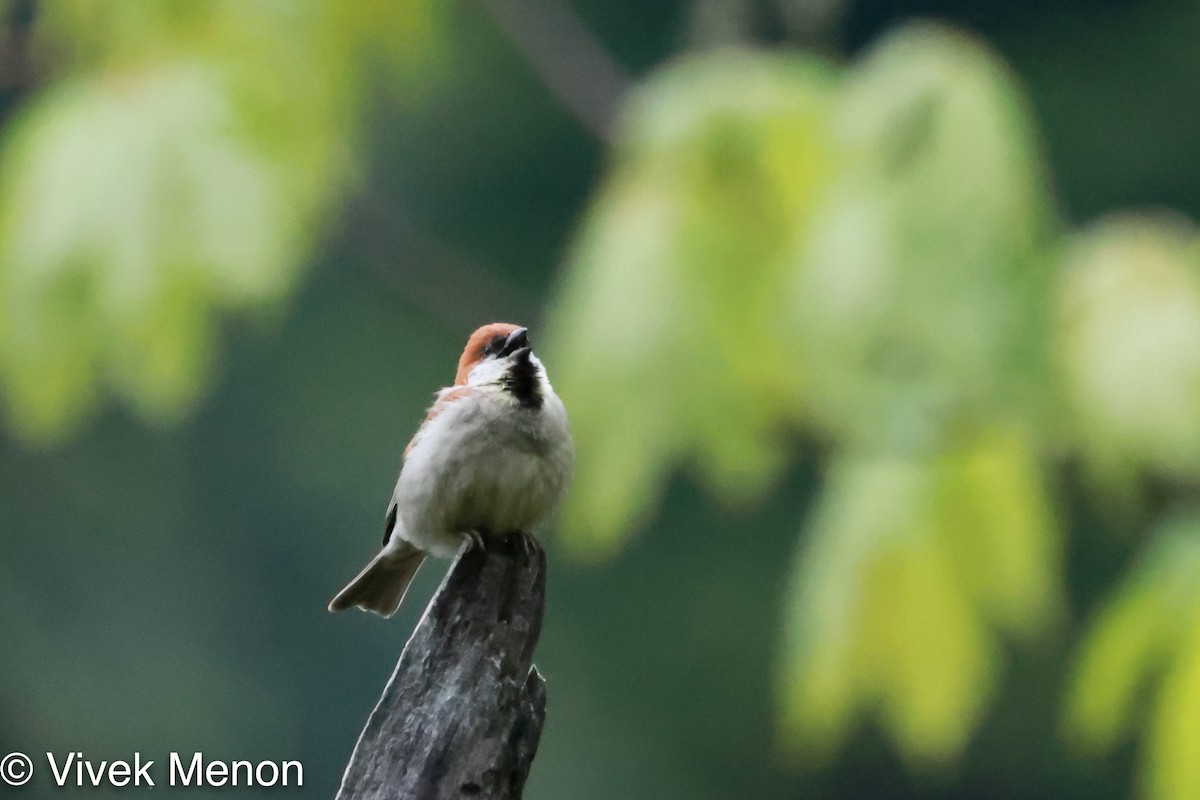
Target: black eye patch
[{"x": 495, "y": 345}]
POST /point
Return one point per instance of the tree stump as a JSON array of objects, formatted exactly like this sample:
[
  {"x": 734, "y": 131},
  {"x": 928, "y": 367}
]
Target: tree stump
[{"x": 463, "y": 711}]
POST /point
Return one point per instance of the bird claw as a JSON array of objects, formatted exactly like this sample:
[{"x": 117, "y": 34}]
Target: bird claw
[
  {"x": 525, "y": 544},
  {"x": 475, "y": 540}
]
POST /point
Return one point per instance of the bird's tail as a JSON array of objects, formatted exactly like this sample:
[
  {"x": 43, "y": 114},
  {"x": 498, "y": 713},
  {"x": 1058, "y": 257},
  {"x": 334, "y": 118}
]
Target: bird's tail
[{"x": 381, "y": 586}]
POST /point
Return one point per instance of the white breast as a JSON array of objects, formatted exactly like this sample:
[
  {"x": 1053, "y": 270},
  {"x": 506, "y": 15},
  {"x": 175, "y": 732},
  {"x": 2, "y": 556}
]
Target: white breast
[{"x": 485, "y": 463}]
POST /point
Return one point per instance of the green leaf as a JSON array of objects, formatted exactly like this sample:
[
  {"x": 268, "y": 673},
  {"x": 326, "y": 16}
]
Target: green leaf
[
  {"x": 1136, "y": 637},
  {"x": 1173, "y": 771},
  {"x": 1128, "y": 345},
  {"x": 1000, "y": 529},
  {"x": 130, "y": 199},
  {"x": 908, "y": 565},
  {"x": 867, "y": 511},
  {"x": 616, "y": 335},
  {"x": 183, "y": 167},
  {"x": 939, "y": 657},
  {"x": 673, "y": 293},
  {"x": 917, "y": 296},
  {"x": 876, "y": 617}
]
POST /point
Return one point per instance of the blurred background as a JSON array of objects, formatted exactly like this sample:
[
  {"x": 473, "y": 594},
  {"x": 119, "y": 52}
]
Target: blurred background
[{"x": 878, "y": 322}]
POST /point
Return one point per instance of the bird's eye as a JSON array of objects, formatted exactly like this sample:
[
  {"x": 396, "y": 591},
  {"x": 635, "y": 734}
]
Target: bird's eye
[{"x": 494, "y": 346}]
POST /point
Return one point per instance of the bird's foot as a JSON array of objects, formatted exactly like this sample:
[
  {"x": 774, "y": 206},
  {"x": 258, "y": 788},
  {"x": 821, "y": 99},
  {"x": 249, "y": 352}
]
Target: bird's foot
[
  {"x": 529, "y": 545},
  {"x": 475, "y": 540}
]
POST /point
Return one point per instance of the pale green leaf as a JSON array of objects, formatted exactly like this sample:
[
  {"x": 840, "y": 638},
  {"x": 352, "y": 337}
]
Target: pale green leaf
[
  {"x": 831, "y": 658},
  {"x": 1136, "y": 637},
  {"x": 1172, "y": 771},
  {"x": 999, "y": 528},
  {"x": 916, "y": 298},
  {"x": 939, "y": 669},
  {"x": 616, "y": 334},
  {"x": 909, "y": 563},
  {"x": 673, "y": 295},
  {"x": 878, "y": 617},
  {"x": 1129, "y": 345},
  {"x": 182, "y": 166},
  {"x": 130, "y": 198}
]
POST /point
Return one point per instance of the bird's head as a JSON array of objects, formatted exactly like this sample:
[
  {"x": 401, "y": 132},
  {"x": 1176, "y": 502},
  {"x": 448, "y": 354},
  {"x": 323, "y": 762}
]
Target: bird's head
[{"x": 498, "y": 356}]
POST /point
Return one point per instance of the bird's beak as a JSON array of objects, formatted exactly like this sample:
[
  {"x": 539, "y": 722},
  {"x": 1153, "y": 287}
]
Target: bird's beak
[{"x": 516, "y": 341}]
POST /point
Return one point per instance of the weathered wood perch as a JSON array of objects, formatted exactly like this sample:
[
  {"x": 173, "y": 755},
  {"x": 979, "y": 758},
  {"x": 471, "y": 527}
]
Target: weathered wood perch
[{"x": 463, "y": 712}]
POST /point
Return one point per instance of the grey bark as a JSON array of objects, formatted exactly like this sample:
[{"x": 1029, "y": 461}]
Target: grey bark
[{"x": 463, "y": 712}]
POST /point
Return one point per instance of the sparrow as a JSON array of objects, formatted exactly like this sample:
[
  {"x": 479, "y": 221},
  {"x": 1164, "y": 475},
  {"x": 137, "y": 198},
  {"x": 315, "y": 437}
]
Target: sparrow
[{"x": 493, "y": 456}]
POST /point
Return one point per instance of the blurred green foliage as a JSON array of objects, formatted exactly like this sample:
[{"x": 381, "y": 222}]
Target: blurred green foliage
[
  {"x": 680, "y": 264},
  {"x": 855, "y": 264},
  {"x": 1128, "y": 328},
  {"x": 908, "y": 566},
  {"x": 870, "y": 254},
  {"x": 1146, "y": 644},
  {"x": 181, "y": 166}
]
